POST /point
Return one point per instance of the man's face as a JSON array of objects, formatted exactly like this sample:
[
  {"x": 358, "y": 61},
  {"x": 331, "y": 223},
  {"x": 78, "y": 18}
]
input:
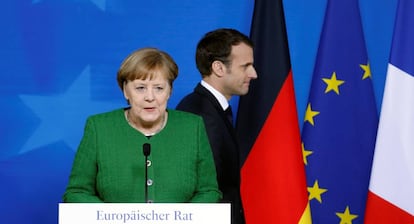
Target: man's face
[{"x": 240, "y": 72}]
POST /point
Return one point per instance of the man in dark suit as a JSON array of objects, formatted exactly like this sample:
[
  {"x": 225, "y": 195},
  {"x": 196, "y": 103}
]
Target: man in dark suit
[{"x": 224, "y": 57}]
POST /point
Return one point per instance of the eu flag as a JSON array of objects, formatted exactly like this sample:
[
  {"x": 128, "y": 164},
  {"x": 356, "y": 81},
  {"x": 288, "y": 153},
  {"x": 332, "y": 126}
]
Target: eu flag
[{"x": 339, "y": 131}]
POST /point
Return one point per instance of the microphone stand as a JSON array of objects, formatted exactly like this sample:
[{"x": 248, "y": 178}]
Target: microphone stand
[{"x": 146, "y": 149}]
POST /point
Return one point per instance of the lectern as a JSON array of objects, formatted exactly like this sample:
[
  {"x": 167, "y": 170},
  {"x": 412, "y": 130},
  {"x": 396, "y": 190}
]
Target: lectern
[{"x": 148, "y": 213}]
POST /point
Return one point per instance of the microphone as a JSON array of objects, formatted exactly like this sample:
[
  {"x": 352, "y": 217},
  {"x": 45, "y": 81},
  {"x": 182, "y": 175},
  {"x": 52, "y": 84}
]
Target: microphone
[{"x": 146, "y": 149}]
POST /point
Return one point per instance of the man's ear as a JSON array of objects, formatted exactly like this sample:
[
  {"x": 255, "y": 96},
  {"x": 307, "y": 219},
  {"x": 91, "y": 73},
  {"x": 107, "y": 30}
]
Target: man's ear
[{"x": 218, "y": 68}]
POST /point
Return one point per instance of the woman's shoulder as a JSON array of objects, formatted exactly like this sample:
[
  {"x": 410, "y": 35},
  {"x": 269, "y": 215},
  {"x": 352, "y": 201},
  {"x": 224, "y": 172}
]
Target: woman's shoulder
[
  {"x": 183, "y": 115},
  {"x": 113, "y": 114},
  {"x": 184, "y": 121}
]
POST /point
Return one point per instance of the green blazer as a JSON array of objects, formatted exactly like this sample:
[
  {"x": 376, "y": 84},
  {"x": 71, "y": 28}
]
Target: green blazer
[{"x": 109, "y": 165}]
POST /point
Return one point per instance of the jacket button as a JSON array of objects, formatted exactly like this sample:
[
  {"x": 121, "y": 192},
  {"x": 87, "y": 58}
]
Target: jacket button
[{"x": 149, "y": 182}]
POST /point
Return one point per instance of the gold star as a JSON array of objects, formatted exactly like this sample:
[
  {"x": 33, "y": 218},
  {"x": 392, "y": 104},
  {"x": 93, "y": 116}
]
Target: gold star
[
  {"x": 315, "y": 192},
  {"x": 333, "y": 83},
  {"x": 367, "y": 71},
  {"x": 305, "y": 154},
  {"x": 346, "y": 217},
  {"x": 310, "y": 114}
]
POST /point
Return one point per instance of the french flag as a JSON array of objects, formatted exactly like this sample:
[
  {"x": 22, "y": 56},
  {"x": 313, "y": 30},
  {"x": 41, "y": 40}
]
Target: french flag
[{"x": 391, "y": 190}]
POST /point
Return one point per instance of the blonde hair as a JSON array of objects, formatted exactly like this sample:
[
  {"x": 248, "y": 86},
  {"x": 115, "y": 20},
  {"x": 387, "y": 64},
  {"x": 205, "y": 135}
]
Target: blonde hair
[{"x": 147, "y": 62}]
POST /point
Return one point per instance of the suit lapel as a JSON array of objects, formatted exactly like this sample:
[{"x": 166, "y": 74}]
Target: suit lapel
[{"x": 212, "y": 99}]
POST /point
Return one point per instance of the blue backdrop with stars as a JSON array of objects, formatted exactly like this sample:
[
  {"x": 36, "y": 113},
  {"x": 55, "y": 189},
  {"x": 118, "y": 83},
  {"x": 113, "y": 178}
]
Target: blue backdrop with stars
[{"x": 59, "y": 58}]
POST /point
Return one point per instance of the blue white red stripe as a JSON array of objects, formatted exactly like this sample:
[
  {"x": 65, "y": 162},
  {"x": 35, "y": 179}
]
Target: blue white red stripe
[{"x": 391, "y": 196}]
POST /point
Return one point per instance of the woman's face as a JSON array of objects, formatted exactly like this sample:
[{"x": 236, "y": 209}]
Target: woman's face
[{"x": 148, "y": 99}]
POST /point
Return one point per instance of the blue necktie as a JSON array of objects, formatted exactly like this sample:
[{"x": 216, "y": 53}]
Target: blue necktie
[{"x": 229, "y": 114}]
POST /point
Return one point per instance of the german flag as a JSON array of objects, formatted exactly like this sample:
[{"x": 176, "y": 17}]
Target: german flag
[{"x": 273, "y": 183}]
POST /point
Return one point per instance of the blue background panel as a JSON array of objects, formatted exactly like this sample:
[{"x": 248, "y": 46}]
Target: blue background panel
[{"x": 59, "y": 58}]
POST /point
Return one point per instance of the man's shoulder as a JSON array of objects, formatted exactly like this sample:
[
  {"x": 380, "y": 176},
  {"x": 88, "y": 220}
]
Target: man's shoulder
[{"x": 194, "y": 103}]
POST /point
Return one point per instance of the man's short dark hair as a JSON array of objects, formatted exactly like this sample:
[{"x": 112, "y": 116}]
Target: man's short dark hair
[{"x": 216, "y": 45}]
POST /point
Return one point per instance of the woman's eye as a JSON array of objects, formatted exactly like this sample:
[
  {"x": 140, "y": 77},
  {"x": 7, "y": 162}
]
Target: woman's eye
[{"x": 140, "y": 88}]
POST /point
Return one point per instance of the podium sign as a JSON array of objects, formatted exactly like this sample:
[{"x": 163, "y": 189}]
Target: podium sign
[{"x": 135, "y": 213}]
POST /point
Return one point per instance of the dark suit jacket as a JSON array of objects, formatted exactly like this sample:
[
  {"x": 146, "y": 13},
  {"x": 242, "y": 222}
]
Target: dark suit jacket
[{"x": 223, "y": 142}]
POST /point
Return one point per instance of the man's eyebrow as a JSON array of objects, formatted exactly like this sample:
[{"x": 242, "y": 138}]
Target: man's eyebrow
[{"x": 247, "y": 64}]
